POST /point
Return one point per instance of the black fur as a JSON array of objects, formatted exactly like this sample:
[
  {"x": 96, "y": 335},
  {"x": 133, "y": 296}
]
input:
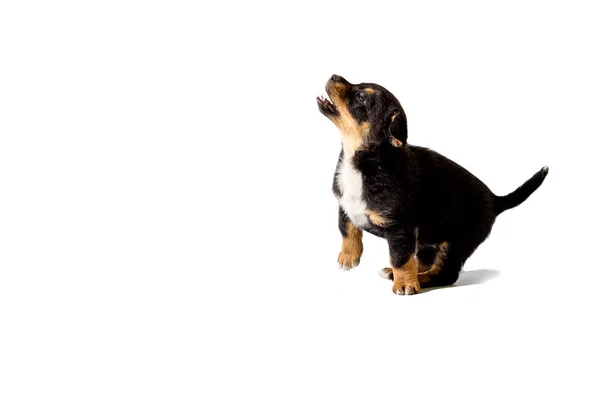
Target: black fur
[{"x": 428, "y": 198}]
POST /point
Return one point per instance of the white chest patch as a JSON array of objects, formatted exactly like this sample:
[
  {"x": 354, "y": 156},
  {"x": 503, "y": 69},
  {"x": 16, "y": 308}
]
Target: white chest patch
[{"x": 351, "y": 186}]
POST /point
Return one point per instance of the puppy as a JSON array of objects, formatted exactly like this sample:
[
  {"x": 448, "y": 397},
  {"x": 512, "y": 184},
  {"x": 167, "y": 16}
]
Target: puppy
[{"x": 432, "y": 212}]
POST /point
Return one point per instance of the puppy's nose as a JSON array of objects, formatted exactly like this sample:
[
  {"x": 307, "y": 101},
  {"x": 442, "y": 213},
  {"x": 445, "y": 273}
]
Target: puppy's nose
[{"x": 336, "y": 78}]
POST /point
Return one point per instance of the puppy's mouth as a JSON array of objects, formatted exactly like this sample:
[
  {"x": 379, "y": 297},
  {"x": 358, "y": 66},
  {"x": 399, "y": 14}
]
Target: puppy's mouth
[{"x": 326, "y": 106}]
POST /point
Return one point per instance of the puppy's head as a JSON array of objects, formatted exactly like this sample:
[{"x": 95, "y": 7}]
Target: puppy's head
[{"x": 365, "y": 113}]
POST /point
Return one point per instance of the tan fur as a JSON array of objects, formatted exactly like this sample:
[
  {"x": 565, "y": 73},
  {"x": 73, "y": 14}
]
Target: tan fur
[
  {"x": 352, "y": 247},
  {"x": 353, "y": 133},
  {"x": 395, "y": 142},
  {"x": 436, "y": 268},
  {"x": 369, "y": 91},
  {"x": 377, "y": 219},
  {"x": 387, "y": 273},
  {"x": 405, "y": 277},
  {"x": 441, "y": 255},
  {"x": 423, "y": 277}
]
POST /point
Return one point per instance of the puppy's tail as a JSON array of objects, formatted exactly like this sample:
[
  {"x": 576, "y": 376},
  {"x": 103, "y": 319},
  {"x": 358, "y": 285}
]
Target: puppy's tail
[{"x": 515, "y": 198}]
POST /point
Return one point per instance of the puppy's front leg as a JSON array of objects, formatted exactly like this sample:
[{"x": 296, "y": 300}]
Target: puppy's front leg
[
  {"x": 352, "y": 246},
  {"x": 403, "y": 263}
]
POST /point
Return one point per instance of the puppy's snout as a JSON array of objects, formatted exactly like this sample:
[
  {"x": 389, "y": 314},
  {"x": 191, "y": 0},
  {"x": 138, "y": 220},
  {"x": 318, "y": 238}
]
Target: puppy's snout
[
  {"x": 336, "y": 88},
  {"x": 338, "y": 79}
]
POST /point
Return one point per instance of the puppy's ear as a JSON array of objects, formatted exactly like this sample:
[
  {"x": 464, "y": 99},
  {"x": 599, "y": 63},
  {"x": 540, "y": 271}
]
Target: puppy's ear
[{"x": 398, "y": 129}]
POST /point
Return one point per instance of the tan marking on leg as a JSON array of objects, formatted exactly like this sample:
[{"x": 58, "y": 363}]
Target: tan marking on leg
[
  {"x": 386, "y": 273},
  {"x": 405, "y": 277},
  {"x": 377, "y": 219},
  {"x": 352, "y": 247},
  {"x": 423, "y": 267},
  {"x": 436, "y": 268},
  {"x": 441, "y": 255},
  {"x": 425, "y": 277}
]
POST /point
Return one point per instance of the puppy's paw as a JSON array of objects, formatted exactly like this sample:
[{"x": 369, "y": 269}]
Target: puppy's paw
[
  {"x": 386, "y": 273},
  {"x": 409, "y": 287},
  {"x": 348, "y": 261}
]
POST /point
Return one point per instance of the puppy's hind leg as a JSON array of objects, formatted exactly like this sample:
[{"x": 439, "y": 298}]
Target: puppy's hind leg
[
  {"x": 445, "y": 269},
  {"x": 386, "y": 273},
  {"x": 426, "y": 256}
]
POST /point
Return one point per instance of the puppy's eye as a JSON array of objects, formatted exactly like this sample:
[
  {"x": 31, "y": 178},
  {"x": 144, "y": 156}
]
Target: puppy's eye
[{"x": 360, "y": 96}]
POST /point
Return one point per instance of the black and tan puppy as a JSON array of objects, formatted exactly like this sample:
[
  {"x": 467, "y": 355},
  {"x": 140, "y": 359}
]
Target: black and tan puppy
[{"x": 432, "y": 212}]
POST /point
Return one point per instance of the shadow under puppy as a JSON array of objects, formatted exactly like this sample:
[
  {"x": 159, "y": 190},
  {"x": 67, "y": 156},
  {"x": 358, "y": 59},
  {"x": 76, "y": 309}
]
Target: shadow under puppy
[{"x": 432, "y": 212}]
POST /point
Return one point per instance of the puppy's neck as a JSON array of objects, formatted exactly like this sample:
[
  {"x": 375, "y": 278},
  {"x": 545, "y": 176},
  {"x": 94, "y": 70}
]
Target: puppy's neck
[
  {"x": 353, "y": 134},
  {"x": 354, "y": 139},
  {"x": 350, "y": 146}
]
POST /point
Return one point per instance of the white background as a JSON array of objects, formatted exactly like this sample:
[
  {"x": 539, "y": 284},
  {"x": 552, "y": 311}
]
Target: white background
[{"x": 167, "y": 228}]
